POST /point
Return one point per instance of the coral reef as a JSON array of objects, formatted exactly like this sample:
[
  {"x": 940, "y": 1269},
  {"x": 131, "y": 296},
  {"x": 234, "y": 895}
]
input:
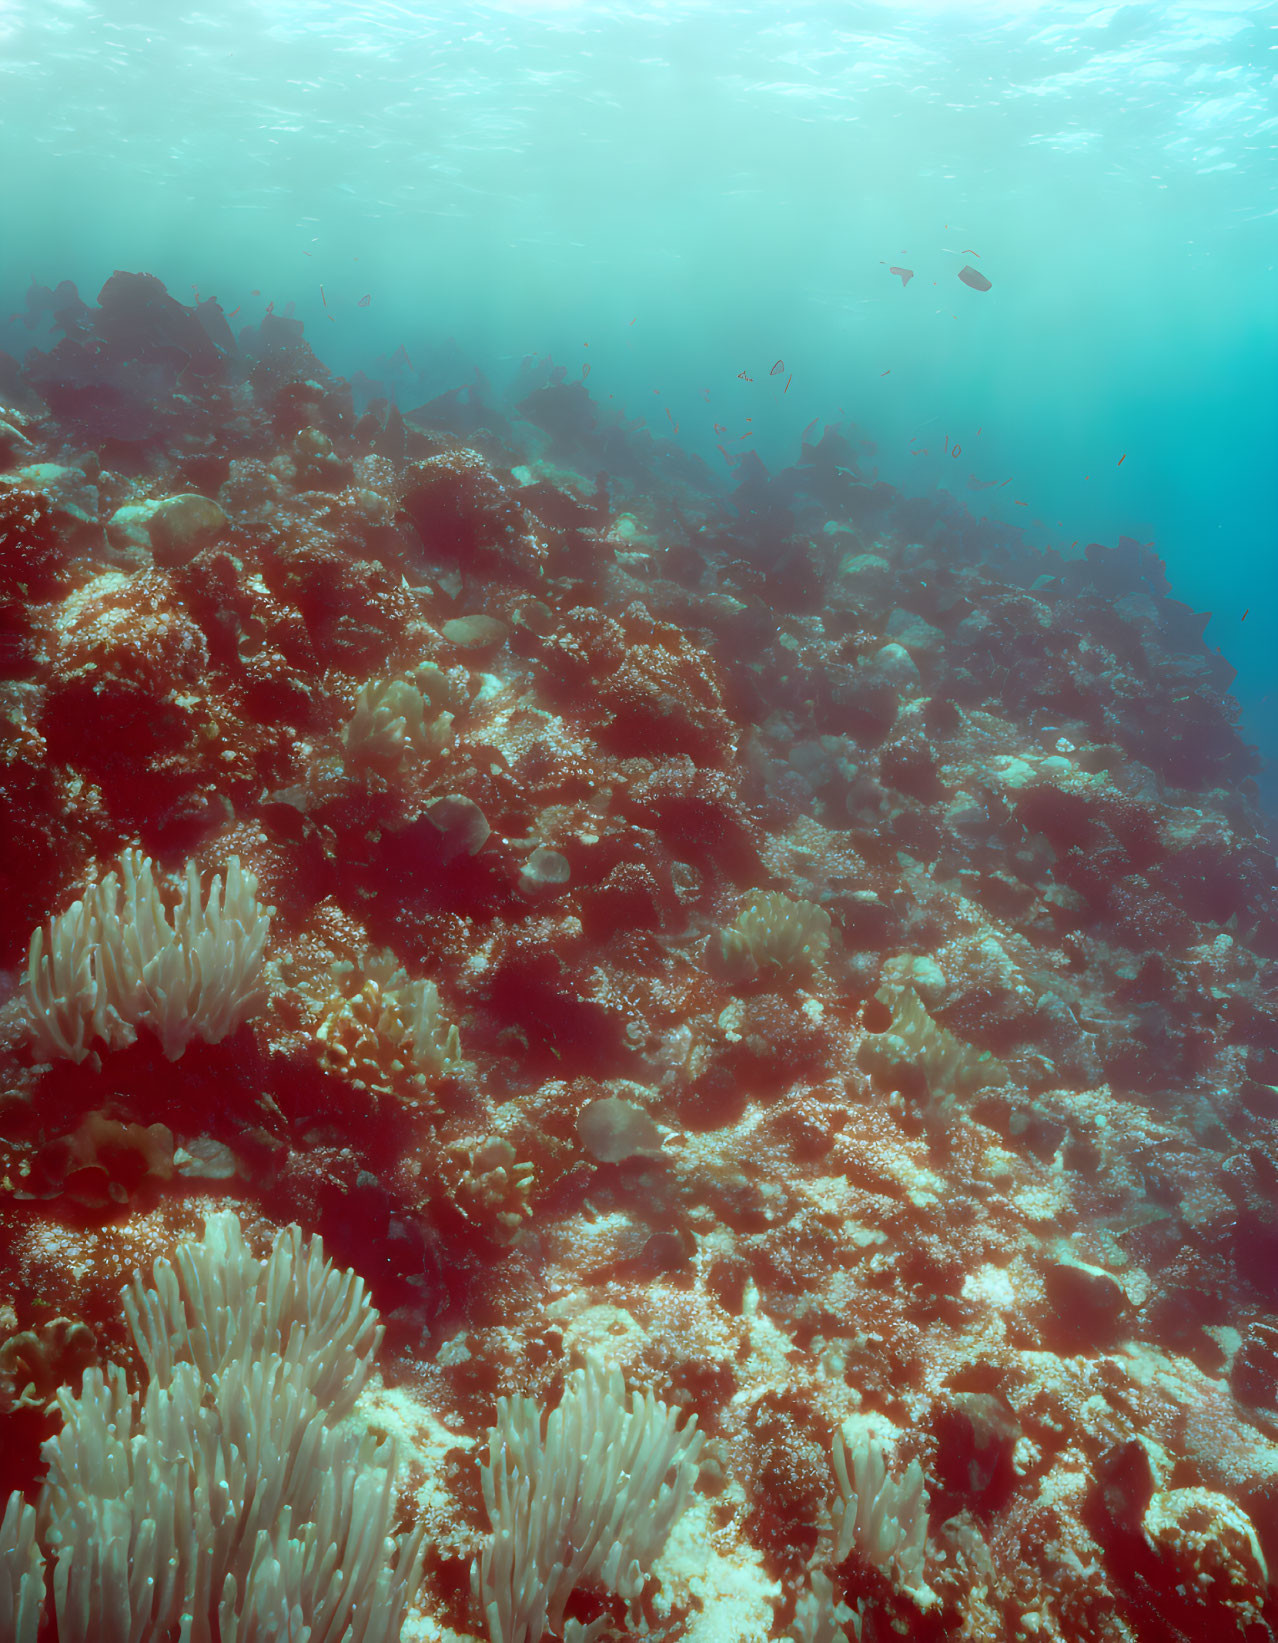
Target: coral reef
[{"x": 794, "y": 958}]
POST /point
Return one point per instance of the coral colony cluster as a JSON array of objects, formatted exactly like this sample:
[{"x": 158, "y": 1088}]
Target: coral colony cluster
[{"x": 586, "y": 1054}]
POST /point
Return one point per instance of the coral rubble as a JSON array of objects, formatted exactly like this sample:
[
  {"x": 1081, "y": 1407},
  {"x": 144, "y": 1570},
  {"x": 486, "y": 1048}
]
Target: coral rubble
[{"x": 798, "y": 953}]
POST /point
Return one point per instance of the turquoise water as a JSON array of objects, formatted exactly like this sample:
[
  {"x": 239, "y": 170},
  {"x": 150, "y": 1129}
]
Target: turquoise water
[{"x": 681, "y": 193}]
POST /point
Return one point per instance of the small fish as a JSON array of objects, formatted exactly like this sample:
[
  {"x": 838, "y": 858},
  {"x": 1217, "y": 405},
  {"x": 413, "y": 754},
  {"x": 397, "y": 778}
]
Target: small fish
[
  {"x": 956, "y": 450},
  {"x": 947, "y": 442},
  {"x": 585, "y": 370},
  {"x": 308, "y": 253},
  {"x": 741, "y": 377},
  {"x": 705, "y": 394},
  {"x": 633, "y": 320},
  {"x": 1020, "y": 504},
  {"x": 788, "y": 381},
  {"x": 255, "y": 293},
  {"x": 777, "y": 369},
  {"x": 978, "y": 433},
  {"x": 748, "y": 434},
  {"x": 323, "y": 298},
  {"x": 968, "y": 252},
  {"x": 270, "y": 307},
  {"x": 907, "y": 274},
  {"x": 670, "y": 414},
  {"x": 886, "y": 373},
  {"x": 1243, "y": 617},
  {"x": 235, "y": 310},
  {"x": 365, "y": 300},
  {"x": 1121, "y": 460},
  {"x": 1005, "y": 482},
  {"x": 726, "y": 457},
  {"x": 719, "y": 428}
]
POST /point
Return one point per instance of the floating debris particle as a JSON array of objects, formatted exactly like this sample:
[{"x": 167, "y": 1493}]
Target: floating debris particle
[{"x": 973, "y": 277}]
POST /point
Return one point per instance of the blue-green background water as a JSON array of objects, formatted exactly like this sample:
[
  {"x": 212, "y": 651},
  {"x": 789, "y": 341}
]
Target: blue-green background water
[{"x": 680, "y": 192}]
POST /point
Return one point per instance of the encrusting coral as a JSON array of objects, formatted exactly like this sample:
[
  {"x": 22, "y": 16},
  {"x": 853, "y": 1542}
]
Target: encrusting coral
[
  {"x": 772, "y": 933},
  {"x": 384, "y": 1032},
  {"x": 721, "y": 959}
]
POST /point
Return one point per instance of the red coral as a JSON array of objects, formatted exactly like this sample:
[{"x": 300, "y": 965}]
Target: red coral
[
  {"x": 355, "y": 610},
  {"x": 131, "y": 629},
  {"x": 700, "y": 815},
  {"x": 587, "y": 646},
  {"x": 628, "y": 897},
  {"x": 662, "y": 699},
  {"x": 463, "y": 514}
]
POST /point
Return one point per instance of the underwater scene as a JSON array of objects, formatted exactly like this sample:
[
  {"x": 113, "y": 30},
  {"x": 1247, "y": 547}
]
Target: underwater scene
[{"x": 638, "y": 803}]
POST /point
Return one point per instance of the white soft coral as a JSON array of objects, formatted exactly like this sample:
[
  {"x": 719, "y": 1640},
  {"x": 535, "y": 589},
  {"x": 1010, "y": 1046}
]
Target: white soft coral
[{"x": 120, "y": 959}]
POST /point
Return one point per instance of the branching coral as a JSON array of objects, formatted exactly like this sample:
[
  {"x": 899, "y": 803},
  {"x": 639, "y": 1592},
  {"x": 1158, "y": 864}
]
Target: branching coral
[
  {"x": 229, "y": 1503},
  {"x": 21, "y": 1573},
  {"x": 884, "y": 1518},
  {"x": 120, "y": 959},
  {"x": 588, "y": 1501},
  {"x": 818, "y": 1618}
]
